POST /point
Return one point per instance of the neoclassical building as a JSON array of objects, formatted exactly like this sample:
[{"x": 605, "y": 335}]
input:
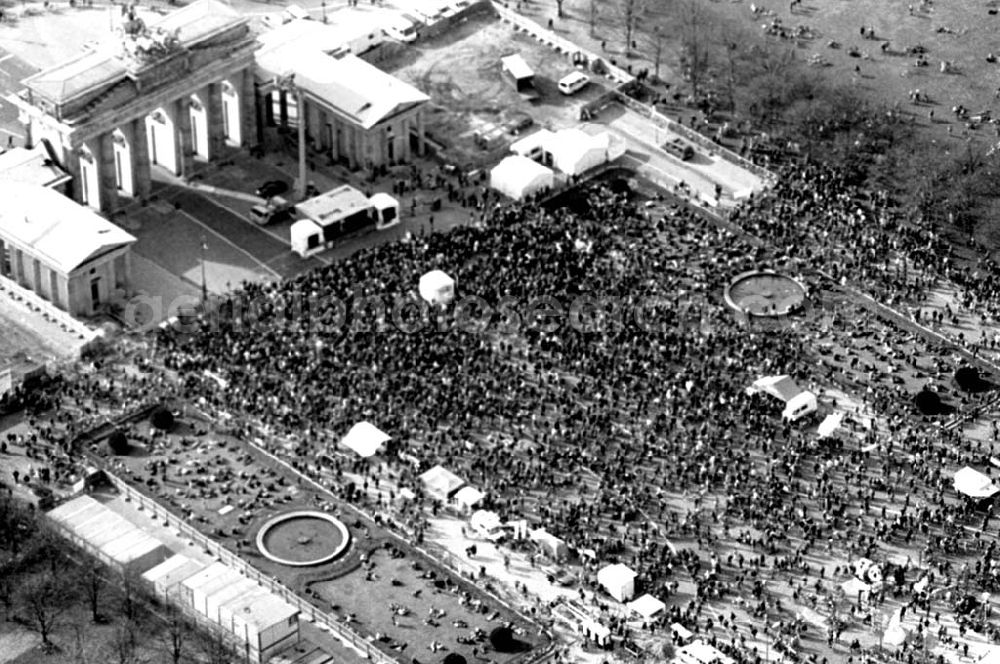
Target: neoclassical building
[
  {"x": 163, "y": 96},
  {"x": 352, "y": 110}
]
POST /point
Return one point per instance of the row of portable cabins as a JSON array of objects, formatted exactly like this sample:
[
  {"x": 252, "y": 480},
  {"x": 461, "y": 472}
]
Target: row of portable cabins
[{"x": 260, "y": 621}]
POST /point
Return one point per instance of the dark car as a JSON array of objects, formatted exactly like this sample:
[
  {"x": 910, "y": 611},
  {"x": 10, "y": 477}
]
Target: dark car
[
  {"x": 271, "y": 188},
  {"x": 519, "y": 123},
  {"x": 679, "y": 149}
]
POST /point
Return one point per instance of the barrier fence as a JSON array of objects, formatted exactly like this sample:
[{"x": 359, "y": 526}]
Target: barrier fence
[
  {"x": 693, "y": 136},
  {"x": 232, "y": 560}
]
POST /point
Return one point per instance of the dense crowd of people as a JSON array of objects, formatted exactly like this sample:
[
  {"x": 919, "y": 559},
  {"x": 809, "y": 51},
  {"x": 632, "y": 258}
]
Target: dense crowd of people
[{"x": 613, "y": 412}]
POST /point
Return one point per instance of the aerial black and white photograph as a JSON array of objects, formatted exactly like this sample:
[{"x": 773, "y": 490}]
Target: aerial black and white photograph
[{"x": 499, "y": 331}]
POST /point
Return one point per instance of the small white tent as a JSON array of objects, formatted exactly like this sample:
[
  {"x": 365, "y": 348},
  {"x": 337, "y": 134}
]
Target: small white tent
[
  {"x": 646, "y": 606},
  {"x": 974, "y": 484},
  {"x": 829, "y": 425},
  {"x": 518, "y": 177},
  {"x": 798, "y": 402},
  {"x": 468, "y": 497},
  {"x": 436, "y": 287},
  {"x": 365, "y": 439},
  {"x": 554, "y": 547},
  {"x": 487, "y": 524},
  {"x": 441, "y": 483},
  {"x": 618, "y": 580}
]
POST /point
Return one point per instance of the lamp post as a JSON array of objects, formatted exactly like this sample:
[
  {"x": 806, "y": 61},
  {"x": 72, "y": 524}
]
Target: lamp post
[
  {"x": 204, "y": 283},
  {"x": 287, "y": 84},
  {"x": 324, "y": 11}
]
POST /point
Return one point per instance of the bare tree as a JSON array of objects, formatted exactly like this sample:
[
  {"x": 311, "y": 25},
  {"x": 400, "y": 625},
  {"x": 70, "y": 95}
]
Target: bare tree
[
  {"x": 43, "y": 599},
  {"x": 631, "y": 14},
  {"x": 123, "y": 646},
  {"x": 215, "y": 649},
  {"x": 655, "y": 40},
  {"x": 130, "y": 588},
  {"x": 695, "y": 53},
  {"x": 175, "y": 635},
  {"x": 92, "y": 582}
]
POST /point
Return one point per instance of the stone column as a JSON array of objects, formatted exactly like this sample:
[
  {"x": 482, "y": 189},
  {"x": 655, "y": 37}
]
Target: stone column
[
  {"x": 249, "y": 118},
  {"x": 141, "y": 179},
  {"x": 3, "y": 258},
  {"x": 182, "y": 137},
  {"x": 261, "y": 116},
  {"x": 107, "y": 181},
  {"x": 71, "y": 161},
  {"x": 421, "y": 147},
  {"x": 216, "y": 124},
  {"x": 63, "y": 285},
  {"x": 283, "y": 109}
]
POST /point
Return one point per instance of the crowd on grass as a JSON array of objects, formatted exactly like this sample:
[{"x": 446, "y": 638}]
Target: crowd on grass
[{"x": 621, "y": 426}]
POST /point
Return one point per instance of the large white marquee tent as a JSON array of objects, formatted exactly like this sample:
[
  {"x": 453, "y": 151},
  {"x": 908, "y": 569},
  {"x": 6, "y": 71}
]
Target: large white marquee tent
[{"x": 518, "y": 177}]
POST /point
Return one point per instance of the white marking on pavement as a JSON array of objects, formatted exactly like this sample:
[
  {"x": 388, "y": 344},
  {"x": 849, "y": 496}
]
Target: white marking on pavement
[{"x": 231, "y": 244}]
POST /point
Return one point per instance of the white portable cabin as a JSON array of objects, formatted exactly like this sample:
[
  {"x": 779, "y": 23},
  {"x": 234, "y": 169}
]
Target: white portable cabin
[
  {"x": 518, "y": 177},
  {"x": 436, "y": 287},
  {"x": 109, "y": 536},
  {"x": 168, "y": 575},
  {"x": 798, "y": 402},
  {"x": 338, "y": 212},
  {"x": 519, "y": 74},
  {"x": 195, "y": 589},
  {"x": 265, "y": 622},
  {"x": 618, "y": 580}
]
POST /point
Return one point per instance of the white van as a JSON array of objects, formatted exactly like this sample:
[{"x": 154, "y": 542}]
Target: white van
[{"x": 573, "y": 83}]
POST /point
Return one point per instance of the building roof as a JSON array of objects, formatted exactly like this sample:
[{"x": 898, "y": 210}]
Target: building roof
[
  {"x": 344, "y": 26},
  {"x": 104, "y": 65},
  {"x": 214, "y": 576},
  {"x": 104, "y": 530},
  {"x": 57, "y": 230},
  {"x": 517, "y": 67},
  {"x": 173, "y": 570},
  {"x": 31, "y": 166},
  {"x": 362, "y": 92},
  {"x": 333, "y": 205},
  {"x": 260, "y": 610},
  {"x": 199, "y": 20}
]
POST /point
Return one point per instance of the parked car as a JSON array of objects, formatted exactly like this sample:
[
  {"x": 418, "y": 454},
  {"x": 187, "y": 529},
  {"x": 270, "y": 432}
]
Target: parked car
[
  {"x": 573, "y": 83},
  {"x": 271, "y": 188},
  {"x": 679, "y": 148},
  {"x": 519, "y": 123},
  {"x": 276, "y": 210}
]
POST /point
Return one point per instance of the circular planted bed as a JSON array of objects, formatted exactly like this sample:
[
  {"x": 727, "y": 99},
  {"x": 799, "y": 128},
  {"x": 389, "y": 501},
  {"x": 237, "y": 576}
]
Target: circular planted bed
[
  {"x": 765, "y": 293},
  {"x": 303, "y": 538}
]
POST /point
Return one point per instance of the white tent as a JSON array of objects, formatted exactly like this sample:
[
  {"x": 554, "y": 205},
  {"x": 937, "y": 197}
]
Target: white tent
[
  {"x": 699, "y": 652},
  {"x": 365, "y": 439},
  {"x": 829, "y": 424},
  {"x": 646, "y": 606},
  {"x": 574, "y": 151},
  {"x": 799, "y": 406},
  {"x": 554, "y": 547},
  {"x": 441, "y": 483},
  {"x": 518, "y": 177},
  {"x": 468, "y": 497},
  {"x": 436, "y": 287},
  {"x": 974, "y": 484},
  {"x": 781, "y": 387},
  {"x": 618, "y": 580}
]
